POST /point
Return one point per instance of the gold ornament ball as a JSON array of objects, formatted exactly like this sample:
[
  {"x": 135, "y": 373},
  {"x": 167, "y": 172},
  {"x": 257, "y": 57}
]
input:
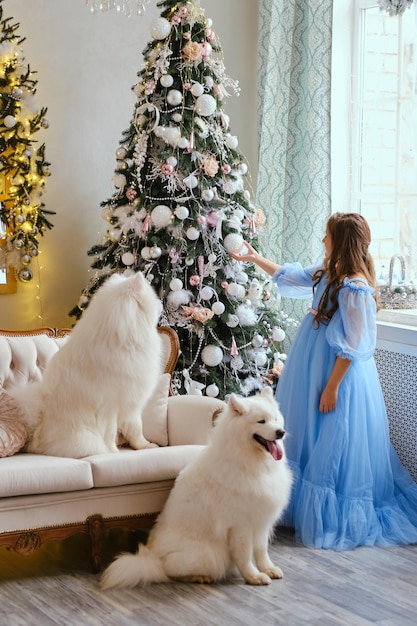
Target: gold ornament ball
[{"x": 25, "y": 275}]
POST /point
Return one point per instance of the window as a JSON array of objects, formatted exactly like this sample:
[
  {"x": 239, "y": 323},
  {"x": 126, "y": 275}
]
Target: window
[{"x": 375, "y": 128}]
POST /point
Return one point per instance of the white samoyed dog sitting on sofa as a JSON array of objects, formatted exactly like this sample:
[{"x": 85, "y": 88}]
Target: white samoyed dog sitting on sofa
[
  {"x": 223, "y": 506},
  {"x": 95, "y": 387}
]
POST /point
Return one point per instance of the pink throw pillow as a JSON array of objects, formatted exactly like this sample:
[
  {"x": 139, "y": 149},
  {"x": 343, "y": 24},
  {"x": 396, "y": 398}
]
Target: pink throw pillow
[{"x": 13, "y": 431}]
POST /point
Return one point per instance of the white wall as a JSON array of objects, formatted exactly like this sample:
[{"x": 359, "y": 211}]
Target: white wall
[{"x": 86, "y": 65}]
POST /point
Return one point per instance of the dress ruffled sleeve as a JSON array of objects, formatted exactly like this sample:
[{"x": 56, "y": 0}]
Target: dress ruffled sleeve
[
  {"x": 295, "y": 281},
  {"x": 352, "y": 330}
]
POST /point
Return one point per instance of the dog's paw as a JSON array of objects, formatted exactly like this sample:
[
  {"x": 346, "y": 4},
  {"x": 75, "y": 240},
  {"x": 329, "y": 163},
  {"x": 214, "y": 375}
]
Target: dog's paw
[
  {"x": 274, "y": 572},
  {"x": 258, "y": 579},
  {"x": 195, "y": 578},
  {"x": 151, "y": 445}
]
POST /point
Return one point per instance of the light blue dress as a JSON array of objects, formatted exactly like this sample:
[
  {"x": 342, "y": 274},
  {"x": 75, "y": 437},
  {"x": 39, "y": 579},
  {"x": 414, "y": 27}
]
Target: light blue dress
[{"x": 350, "y": 488}]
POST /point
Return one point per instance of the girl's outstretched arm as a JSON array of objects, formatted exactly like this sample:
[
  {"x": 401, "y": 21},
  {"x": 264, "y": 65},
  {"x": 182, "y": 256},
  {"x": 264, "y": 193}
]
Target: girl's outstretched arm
[{"x": 251, "y": 255}]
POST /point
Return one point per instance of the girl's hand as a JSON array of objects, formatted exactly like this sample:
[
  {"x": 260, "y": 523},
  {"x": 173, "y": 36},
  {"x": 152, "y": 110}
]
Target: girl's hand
[
  {"x": 247, "y": 255},
  {"x": 328, "y": 400},
  {"x": 252, "y": 256}
]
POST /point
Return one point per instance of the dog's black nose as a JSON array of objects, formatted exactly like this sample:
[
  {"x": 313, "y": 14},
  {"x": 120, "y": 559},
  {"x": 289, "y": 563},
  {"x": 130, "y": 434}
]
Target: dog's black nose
[{"x": 280, "y": 433}]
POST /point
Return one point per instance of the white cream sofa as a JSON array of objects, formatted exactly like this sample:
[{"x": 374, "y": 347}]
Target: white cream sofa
[{"x": 46, "y": 498}]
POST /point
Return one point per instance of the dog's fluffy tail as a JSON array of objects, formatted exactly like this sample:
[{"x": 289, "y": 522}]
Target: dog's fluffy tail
[{"x": 132, "y": 570}]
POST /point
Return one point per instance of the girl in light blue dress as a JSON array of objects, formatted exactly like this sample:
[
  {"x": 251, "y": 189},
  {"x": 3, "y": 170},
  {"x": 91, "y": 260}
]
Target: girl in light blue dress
[{"x": 350, "y": 488}]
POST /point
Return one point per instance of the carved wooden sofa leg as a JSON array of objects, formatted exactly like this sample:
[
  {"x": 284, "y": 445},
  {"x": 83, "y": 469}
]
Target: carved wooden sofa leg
[{"x": 95, "y": 525}]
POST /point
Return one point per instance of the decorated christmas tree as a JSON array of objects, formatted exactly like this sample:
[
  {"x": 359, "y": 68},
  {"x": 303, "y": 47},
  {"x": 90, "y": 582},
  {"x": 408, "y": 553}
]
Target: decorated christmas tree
[
  {"x": 182, "y": 204},
  {"x": 23, "y": 167}
]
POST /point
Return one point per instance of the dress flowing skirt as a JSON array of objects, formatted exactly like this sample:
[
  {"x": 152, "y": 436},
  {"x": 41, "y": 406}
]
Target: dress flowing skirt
[{"x": 350, "y": 488}]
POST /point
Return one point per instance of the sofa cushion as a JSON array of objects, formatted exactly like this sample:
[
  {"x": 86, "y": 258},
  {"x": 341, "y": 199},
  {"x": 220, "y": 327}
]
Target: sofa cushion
[
  {"x": 154, "y": 416},
  {"x": 140, "y": 466},
  {"x": 25, "y": 474},
  {"x": 13, "y": 431}
]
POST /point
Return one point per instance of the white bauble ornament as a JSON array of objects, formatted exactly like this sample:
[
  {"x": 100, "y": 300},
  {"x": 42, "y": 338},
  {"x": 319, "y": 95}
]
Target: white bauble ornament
[
  {"x": 189, "y": 262},
  {"x": 166, "y": 80},
  {"x": 129, "y": 272},
  {"x": 205, "y": 105},
  {"x": 242, "y": 278},
  {"x": 155, "y": 252},
  {"x": 191, "y": 181},
  {"x": 161, "y": 216},
  {"x": 9, "y": 121},
  {"x": 230, "y": 187},
  {"x": 172, "y": 161},
  {"x": 177, "y": 117},
  {"x": 181, "y": 212},
  {"x": 114, "y": 234},
  {"x": 232, "y": 321},
  {"x": 160, "y": 28},
  {"x": 232, "y": 289},
  {"x": 128, "y": 258},
  {"x": 145, "y": 253},
  {"x": 121, "y": 153},
  {"x": 183, "y": 143},
  {"x": 119, "y": 181},
  {"x": 211, "y": 355},
  {"x": 207, "y": 195},
  {"x": 232, "y": 142},
  {"x": 257, "y": 341},
  {"x": 278, "y": 334},
  {"x": 233, "y": 242},
  {"x": 207, "y": 293},
  {"x": 209, "y": 81},
  {"x": 218, "y": 308},
  {"x": 234, "y": 222},
  {"x": 260, "y": 358},
  {"x": 237, "y": 363},
  {"x": 243, "y": 169},
  {"x": 174, "y": 97},
  {"x": 192, "y": 233},
  {"x": 212, "y": 391},
  {"x": 197, "y": 90},
  {"x": 176, "y": 284},
  {"x": 172, "y": 136}
]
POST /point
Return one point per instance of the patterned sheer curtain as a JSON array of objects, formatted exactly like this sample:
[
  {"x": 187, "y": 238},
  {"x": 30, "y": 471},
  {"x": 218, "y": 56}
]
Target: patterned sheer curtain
[{"x": 293, "y": 187}]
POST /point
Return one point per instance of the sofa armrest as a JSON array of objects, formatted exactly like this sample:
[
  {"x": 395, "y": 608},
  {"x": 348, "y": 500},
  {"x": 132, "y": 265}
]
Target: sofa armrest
[{"x": 190, "y": 419}]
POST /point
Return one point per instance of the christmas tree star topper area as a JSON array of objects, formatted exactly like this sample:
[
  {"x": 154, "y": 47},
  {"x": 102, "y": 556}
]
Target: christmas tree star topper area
[{"x": 182, "y": 204}]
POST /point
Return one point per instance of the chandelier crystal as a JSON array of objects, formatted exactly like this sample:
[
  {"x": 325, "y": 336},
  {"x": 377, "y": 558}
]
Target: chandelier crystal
[{"x": 124, "y": 7}]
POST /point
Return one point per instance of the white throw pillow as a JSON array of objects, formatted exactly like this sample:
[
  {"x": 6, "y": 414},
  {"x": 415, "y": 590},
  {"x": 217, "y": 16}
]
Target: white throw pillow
[{"x": 154, "y": 416}]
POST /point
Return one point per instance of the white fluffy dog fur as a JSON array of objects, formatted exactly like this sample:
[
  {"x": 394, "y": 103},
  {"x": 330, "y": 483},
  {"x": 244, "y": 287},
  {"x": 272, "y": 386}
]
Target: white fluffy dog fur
[
  {"x": 95, "y": 387},
  {"x": 222, "y": 508}
]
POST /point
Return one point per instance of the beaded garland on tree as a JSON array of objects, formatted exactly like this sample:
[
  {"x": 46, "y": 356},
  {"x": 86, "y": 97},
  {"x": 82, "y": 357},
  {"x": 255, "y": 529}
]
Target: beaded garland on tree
[{"x": 181, "y": 205}]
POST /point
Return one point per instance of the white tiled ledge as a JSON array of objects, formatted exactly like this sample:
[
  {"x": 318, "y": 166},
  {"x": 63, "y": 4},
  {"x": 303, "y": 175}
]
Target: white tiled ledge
[{"x": 397, "y": 331}]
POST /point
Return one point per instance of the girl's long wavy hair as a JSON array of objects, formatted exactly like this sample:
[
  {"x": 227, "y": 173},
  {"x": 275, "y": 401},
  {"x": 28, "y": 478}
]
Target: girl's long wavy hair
[{"x": 350, "y": 237}]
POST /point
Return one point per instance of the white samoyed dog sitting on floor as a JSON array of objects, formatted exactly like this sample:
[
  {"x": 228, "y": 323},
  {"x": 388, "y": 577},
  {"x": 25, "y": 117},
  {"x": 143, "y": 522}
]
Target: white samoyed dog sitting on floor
[
  {"x": 222, "y": 508},
  {"x": 95, "y": 387}
]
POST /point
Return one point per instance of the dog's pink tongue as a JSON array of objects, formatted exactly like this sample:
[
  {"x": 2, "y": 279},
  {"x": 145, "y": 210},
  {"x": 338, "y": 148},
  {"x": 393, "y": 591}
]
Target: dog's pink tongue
[{"x": 274, "y": 449}]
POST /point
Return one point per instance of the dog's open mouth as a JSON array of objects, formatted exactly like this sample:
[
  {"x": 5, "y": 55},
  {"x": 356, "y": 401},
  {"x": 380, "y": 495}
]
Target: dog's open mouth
[{"x": 272, "y": 447}]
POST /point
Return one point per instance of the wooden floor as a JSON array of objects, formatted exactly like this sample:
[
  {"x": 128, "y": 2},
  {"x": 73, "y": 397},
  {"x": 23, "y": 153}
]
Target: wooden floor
[{"x": 326, "y": 588}]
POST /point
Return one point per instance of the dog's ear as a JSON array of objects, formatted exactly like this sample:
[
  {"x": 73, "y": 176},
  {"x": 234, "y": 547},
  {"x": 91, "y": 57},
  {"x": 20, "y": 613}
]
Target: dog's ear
[
  {"x": 267, "y": 393},
  {"x": 235, "y": 403},
  {"x": 136, "y": 284}
]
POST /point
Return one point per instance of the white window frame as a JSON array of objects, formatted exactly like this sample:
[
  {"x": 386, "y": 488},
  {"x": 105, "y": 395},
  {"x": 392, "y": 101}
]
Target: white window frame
[{"x": 345, "y": 140}]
